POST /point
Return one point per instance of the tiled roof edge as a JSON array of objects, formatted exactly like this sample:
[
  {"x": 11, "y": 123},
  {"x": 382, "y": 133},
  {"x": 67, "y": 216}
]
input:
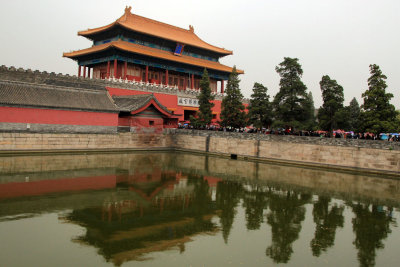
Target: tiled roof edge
[
  {"x": 51, "y": 86},
  {"x": 58, "y": 108},
  {"x": 112, "y": 83}
]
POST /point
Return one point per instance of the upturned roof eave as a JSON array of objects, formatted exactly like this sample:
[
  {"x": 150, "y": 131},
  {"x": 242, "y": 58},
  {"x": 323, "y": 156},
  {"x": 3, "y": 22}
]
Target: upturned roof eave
[
  {"x": 90, "y": 32},
  {"x": 221, "y": 51},
  {"x": 178, "y": 59},
  {"x": 149, "y": 99}
]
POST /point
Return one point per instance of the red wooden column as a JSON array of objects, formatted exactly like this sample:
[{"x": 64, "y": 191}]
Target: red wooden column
[
  {"x": 108, "y": 69},
  {"x": 222, "y": 86},
  {"x": 88, "y": 74},
  {"x": 79, "y": 71},
  {"x": 192, "y": 82},
  {"x": 84, "y": 71},
  {"x": 146, "y": 79},
  {"x": 166, "y": 77},
  {"x": 125, "y": 69},
  {"x": 115, "y": 68}
]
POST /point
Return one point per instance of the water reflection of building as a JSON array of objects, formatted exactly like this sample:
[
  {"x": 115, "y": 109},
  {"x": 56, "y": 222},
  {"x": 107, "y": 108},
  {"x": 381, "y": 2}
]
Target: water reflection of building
[
  {"x": 35, "y": 184},
  {"x": 143, "y": 206},
  {"x": 172, "y": 209},
  {"x": 126, "y": 215}
]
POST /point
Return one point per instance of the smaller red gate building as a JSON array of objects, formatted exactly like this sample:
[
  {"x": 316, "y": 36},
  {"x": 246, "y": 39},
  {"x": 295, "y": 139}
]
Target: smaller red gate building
[{"x": 143, "y": 111}]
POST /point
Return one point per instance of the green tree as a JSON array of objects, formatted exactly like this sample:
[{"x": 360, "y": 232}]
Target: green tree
[
  {"x": 397, "y": 121},
  {"x": 204, "y": 115},
  {"x": 232, "y": 108},
  {"x": 260, "y": 109},
  {"x": 353, "y": 115},
  {"x": 310, "y": 123},
  {"x": 333, "y": 97},
  {"x": 290, "y": 103},
  {"x": 378, "y": 114}
]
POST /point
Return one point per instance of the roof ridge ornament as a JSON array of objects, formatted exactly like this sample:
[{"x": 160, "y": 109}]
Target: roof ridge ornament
[
  {"x": 191, "y": 28},
  {"x": 126, "y": 14},
  {"x": 128, "y": 10}
]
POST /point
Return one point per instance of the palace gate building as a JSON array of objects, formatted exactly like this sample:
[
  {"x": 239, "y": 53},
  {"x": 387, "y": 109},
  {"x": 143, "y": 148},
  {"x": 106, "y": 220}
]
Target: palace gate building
[{"x": 151, "y": 54}]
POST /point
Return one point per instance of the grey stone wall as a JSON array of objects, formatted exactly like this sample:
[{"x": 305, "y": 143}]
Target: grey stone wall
[
  {"x": 340, "y": 142},
  {"x": 359, "y": 155},
  {"x": 29, "y": 76},
  {"x": 54, "y": 128},
  {"x": 53, "y": 142},
  {"x": 280, "y": 149}
]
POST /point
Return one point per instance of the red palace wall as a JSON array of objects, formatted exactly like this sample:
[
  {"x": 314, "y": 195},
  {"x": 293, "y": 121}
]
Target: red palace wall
[
  {"x": 216, "y": 109},
  {"x": 51, "y": 116},
  {"x": 170, "y": 101},
  {"x": 61, "y": 185},
  {"x": 144, "y": 123}
]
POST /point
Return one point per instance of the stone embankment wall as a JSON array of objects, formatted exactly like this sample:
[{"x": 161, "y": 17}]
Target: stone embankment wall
[
  {"x": 366, "y": 155},
  {"x": 362, "y": 155},
  {"x": 30, "y": 142}
]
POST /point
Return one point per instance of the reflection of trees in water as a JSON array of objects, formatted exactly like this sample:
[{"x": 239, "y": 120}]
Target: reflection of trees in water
[
  {"x": 255, "y": 201},
  {"x": 327, "y": 219},
  {"x": 371, "y": 226},
  {"x": 139, "y": 229},
  {"x": 285, "y": 217},
  {"x": 228, "y": 195},
  {"x": 202, "y": 199}
]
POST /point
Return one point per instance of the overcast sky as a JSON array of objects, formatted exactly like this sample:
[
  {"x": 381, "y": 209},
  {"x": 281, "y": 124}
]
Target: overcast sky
[{"x": 339, "y": 38}]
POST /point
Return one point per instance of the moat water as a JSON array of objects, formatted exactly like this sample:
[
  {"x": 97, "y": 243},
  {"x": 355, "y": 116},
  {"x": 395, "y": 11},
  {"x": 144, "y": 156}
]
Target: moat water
[{"x": 178, "y": 209}]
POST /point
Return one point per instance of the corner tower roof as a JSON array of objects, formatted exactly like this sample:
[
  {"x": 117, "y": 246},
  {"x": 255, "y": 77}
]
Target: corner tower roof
[{"x": 155, "y": 28}]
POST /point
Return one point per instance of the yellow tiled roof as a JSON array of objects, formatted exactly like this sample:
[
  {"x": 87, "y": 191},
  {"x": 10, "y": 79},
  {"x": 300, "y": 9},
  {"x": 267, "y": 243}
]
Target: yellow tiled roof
[
  {"x": 153, "y": 52},
  {"x": 159, "y": 29}
]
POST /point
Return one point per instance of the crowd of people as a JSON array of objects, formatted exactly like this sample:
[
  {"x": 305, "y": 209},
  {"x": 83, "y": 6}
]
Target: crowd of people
[{"x": 391, "y": 137}]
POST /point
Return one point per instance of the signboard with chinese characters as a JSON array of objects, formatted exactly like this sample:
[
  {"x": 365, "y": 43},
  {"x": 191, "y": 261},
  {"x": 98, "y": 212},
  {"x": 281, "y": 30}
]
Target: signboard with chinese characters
[{"x": 186, "y": 101}]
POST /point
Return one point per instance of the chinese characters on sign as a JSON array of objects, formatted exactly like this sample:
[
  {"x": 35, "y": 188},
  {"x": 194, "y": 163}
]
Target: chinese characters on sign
[{"x": 191, "y": 102}]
